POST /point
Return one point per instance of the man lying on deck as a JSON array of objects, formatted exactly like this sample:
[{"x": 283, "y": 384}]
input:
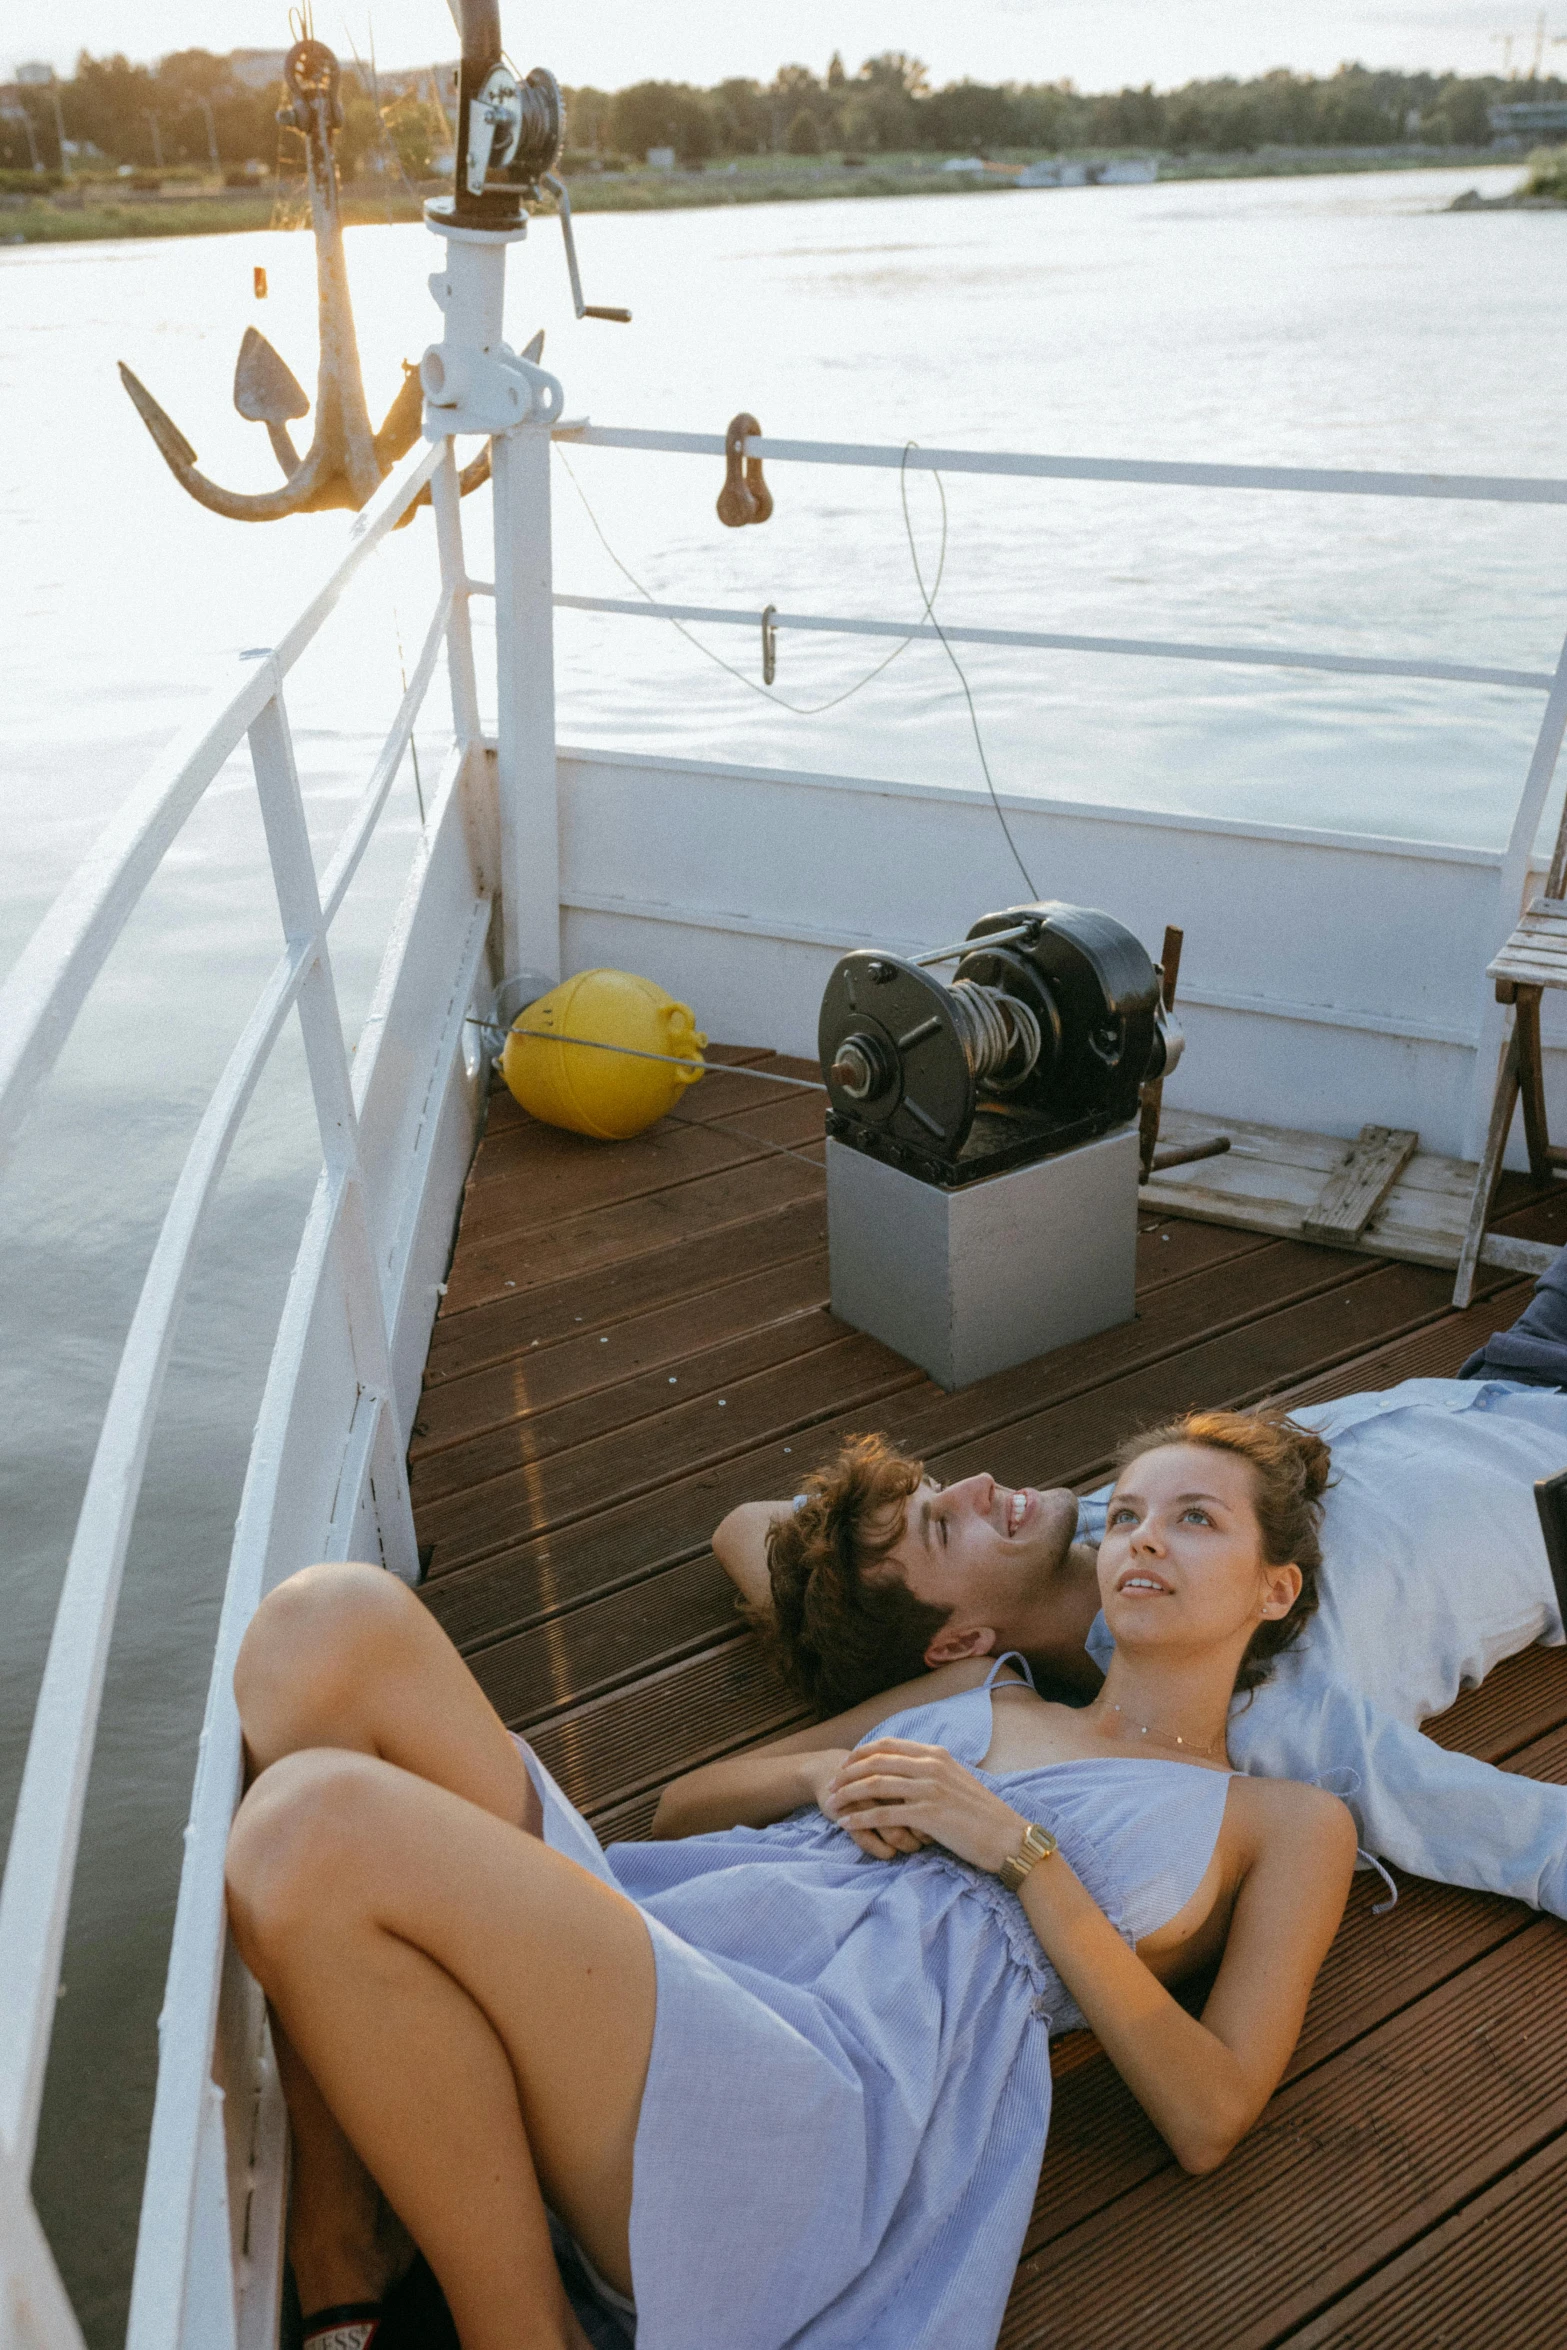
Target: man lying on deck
[{"x": 1434, "y": 1569}]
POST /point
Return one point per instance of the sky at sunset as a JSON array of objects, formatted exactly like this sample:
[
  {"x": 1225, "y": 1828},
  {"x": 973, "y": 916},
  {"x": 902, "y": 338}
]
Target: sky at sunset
[{"x": 1099, "y": 44}]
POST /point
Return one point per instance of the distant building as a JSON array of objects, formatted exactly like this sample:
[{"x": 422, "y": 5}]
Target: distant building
[
  {"x": 35, "y": 76},
  {"x": 1534, "y": 117},
  {"x": 661, "y": 158},
  {"x": 258, "y": 69}
]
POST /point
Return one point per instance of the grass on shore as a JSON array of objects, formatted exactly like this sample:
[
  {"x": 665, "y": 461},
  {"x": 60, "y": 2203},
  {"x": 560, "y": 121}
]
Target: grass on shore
[{"x": 100, "y": 209}]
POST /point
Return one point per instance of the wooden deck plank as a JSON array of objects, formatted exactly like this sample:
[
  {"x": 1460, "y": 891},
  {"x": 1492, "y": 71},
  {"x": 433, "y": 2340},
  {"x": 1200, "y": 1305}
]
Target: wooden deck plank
[
  {"x": 572, "y": 1175},
  {"x": 535, "y": 1381},
  {"x": 652, "y": 1624},
  {"x": 1493, "y": 2277},
  {"x": 684, "y": 1214},
  {"x": 605, "y": 1753},
  {"x": 614, "y": 1406},
  {"x": 660, "y": 1605},
  {"x": 1070, "y": 1442},
  {"x": 552, "y": 1313},
  {"x": 1346, "y": 2168},
  {"x": 722, "y": 1096}
]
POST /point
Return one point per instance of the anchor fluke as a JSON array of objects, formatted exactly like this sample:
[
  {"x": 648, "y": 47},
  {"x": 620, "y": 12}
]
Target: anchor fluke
[
  {"x": 400, "y": 426},
  {"x": 266, "y": 391},
  {"x": 172, "y": 443}
]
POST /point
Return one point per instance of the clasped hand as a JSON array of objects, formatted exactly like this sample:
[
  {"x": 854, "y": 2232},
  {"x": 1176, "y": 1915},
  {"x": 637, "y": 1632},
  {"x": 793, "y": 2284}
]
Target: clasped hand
[{"x": 895, "y": 1796}]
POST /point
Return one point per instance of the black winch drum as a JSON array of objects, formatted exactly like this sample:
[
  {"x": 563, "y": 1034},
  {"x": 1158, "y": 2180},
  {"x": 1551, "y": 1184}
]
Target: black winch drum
[{"x": 982, "y": 1151}]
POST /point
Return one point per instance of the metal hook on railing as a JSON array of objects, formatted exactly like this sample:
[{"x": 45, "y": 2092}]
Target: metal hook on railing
[
  {"x": 769, "y": 644},
  {"x": 745, "y": 496}
]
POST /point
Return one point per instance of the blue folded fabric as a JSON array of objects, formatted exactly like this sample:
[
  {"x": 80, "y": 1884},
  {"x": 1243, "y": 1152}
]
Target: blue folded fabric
[
  {"x": 1534, "y": 1350},
  {"x": 605, "y": 2326}
]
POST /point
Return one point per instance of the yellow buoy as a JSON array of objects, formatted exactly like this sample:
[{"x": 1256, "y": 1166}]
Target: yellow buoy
[{"x": 607, "y": 1094}]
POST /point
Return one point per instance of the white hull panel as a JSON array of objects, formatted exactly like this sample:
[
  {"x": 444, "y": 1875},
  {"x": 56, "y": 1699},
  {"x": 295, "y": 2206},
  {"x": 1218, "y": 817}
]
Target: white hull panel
[{"x": 1329, "y": 980}]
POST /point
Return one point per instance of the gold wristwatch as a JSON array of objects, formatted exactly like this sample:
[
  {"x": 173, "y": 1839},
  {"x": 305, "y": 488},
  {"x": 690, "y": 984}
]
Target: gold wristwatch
[{"x": 1037, "y": 1844}]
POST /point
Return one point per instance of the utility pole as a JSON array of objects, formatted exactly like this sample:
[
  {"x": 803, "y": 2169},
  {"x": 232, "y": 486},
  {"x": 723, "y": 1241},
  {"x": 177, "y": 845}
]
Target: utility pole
[
  {"x": 1506, "y": 40},
  {"x": 157, "y": 143},
  {"x": 59, "y": 131},
  {"x": 212, "y": 134},
  {"x": 14, "y": 111}
]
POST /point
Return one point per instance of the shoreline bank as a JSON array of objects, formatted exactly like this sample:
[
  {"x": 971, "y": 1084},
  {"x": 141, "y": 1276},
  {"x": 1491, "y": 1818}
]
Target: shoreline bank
[{"x": 99, "y": 212}]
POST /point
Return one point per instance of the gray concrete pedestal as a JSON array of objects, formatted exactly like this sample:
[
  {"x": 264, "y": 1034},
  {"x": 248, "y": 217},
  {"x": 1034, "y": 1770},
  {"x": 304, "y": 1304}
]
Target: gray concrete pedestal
[{"x": 972, "y": 1281}]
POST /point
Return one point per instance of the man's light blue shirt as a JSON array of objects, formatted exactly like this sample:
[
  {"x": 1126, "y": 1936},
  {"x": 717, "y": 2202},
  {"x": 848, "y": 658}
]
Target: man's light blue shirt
[{"x": 1433, "y": 1570}]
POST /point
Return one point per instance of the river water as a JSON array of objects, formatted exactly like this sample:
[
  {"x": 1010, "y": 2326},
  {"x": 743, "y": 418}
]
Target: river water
[{"x": 1334, "y": 321}]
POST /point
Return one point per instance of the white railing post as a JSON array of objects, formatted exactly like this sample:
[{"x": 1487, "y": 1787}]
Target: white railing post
[
  {"x": 525, "y": 702},
  {"x": 446, "y": 498},
  {"x": 34, "y": 2311},
  {"x": 299, "y": 900}
]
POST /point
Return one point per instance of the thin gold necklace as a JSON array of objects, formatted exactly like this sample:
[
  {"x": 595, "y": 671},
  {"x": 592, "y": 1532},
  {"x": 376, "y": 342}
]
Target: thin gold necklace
[{"x": 1161, "y": 1737}]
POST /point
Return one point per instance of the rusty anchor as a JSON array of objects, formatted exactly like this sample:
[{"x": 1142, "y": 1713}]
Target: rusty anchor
[
  {"x": 745, "y": 496},
  {"x": 346, "y": 461}
]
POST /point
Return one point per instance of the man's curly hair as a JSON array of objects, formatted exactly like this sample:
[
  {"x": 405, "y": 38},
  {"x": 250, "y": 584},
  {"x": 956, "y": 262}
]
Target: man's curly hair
[{"x": 842, "y": 1631}]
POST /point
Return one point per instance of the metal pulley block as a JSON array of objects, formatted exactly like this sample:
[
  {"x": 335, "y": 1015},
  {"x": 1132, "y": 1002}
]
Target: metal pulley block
[
  {"x": 516, "y": 130},
  {"x": 310, "y": 76},
  {"x": 1045, "y": 1036}
]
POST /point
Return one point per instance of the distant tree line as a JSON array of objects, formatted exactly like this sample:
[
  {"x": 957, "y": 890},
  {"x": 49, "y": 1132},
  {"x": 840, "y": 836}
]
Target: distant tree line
[
  {"x": 889, "y": 105},
  {"x": 193, "y": 107}
]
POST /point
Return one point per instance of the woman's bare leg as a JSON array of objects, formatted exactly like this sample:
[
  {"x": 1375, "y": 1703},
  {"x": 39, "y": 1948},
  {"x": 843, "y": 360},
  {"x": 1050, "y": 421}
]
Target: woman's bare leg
[
  {"x": 345, "y": 2242},
  {"x": 476, "y": 2010},
  {"x": 345, "y": 1656}
]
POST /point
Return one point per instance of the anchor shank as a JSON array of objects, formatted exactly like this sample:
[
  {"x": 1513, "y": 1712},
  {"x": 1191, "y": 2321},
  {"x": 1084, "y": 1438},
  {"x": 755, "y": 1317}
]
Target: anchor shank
[{"x": 342, "y": 418}]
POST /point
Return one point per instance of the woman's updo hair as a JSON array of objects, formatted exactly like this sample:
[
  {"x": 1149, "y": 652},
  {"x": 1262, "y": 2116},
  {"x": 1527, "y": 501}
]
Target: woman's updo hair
[{"x": 1289, "y": 1475}]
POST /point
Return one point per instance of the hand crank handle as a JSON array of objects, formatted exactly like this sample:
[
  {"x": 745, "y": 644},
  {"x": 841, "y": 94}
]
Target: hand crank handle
[{"x": 557, "y": 188}]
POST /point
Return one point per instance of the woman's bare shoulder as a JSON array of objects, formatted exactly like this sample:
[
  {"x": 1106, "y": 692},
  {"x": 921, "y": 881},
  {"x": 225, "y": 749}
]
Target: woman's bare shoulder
[{"x": 1284, "y": 1812}]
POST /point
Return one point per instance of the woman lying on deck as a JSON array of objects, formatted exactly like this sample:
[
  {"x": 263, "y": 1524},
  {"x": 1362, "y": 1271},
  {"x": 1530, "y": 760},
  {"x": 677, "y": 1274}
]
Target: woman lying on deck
[{"x": 786, "y": 2080}]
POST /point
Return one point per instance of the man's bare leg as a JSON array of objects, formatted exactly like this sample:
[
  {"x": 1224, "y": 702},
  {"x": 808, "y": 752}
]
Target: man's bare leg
[
  {"x": 476, "y": 2010},
  {"x": 345, "y": 1656}
]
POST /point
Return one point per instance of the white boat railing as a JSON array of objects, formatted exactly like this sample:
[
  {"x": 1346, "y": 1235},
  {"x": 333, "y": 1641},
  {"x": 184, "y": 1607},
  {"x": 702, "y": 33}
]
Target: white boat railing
[
  {"x": 896, "y": 456},
  {"x": 38, "y": 1006},
  {"x": 1311, "y": 481}
]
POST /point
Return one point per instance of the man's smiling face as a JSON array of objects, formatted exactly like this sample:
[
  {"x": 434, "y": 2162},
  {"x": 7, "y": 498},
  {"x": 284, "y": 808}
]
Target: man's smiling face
[{"x": 986, "y": 1551}]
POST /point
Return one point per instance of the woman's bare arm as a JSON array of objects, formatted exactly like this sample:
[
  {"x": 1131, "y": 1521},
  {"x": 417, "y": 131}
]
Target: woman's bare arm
[
  {"x": 1204, "y": 2082},
  {"x": 752, "y": 1790}
]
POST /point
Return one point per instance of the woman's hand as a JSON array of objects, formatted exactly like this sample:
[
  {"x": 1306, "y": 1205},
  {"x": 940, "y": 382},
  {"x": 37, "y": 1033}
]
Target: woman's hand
[
  {"x": 896, "y": 1795},
  {"x": 822, "y": 1769}
]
